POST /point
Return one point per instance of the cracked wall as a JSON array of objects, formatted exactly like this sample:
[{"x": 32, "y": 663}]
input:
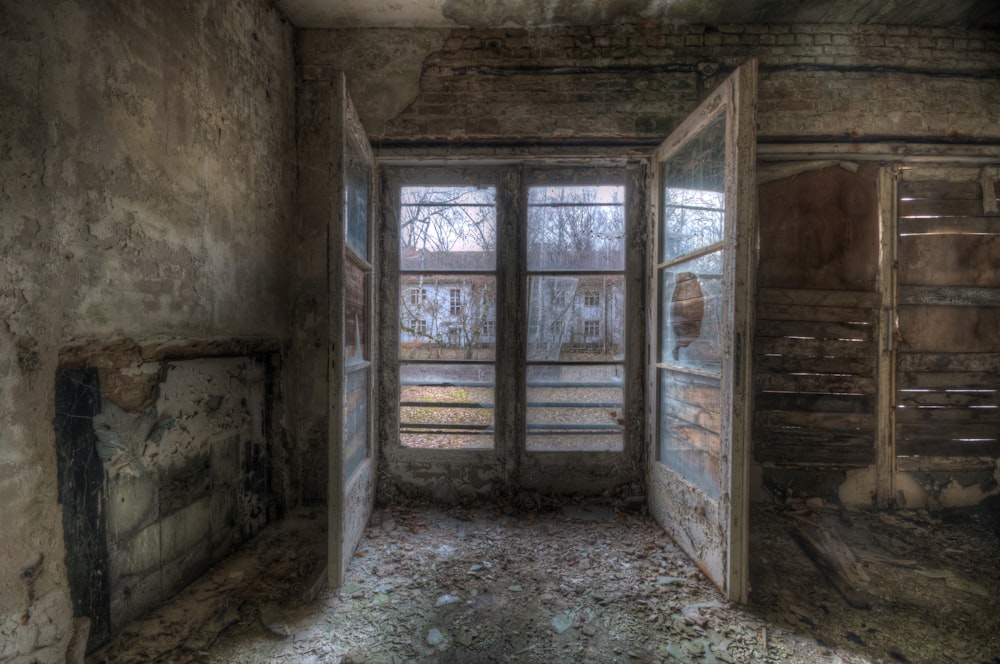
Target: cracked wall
[{"x": 146, "y": 179}]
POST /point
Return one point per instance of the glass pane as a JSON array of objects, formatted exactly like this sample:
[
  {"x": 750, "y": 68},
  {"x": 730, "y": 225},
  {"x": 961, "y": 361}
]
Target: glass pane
[
  {"x": 355, "y": 420},
  {"x": 576, "y": 317},
  {"x": 447, "y": 228},
  {"x": 576, "y": 228},
  {"x": 689, "y": 426},
  {"x": 446, "y": 406},
  {"x": 356, "y": 201},
  {"x": 447, "y": 317},
  {"x": 691, "y": 310},
  {"x": 574, "y": 408},
  {"x": 355, "y": 313},
  {"x": 693, "y": 182}
]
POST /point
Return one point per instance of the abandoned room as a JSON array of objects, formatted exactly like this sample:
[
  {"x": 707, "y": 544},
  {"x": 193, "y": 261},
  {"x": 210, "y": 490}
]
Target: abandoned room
[{"x": 507, "y": 331}]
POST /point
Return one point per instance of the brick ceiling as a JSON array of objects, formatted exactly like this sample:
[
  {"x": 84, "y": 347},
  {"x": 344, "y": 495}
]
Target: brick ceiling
[{"x": 979, "y": 14}]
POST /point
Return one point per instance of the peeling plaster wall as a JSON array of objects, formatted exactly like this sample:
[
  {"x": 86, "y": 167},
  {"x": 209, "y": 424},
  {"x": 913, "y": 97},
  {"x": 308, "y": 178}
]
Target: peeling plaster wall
[
  {"x": 636, "y": 80},
  {"x": 146, "y": 181}
]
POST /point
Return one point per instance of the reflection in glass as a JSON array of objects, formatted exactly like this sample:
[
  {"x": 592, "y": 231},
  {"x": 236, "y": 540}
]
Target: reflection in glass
[
  {"x": 693, "y": 186},
  {"x": 576, "y": 228},
  {"x": 446, "y": 406},
  {"x": 447, "y": 228},
  {"x": 447, "y": 317},
  {"x": 355, "y": 318},
  {"x": 691, "y": 313},
  {"x": 355, "y": 420},
  {"x": 576, "y": 317},
  {"x": 689, "y": 427},
  {"x": 356, "y": 201},
  {"x": 574, "y": 407}
]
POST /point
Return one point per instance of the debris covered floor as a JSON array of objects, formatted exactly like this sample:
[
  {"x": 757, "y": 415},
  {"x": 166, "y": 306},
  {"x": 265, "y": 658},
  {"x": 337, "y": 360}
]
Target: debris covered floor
[{"x": 578, "y": 584}]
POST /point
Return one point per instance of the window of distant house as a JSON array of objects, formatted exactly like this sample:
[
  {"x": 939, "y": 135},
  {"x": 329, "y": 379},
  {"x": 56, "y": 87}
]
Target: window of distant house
[{"x": 564, "y": 349}]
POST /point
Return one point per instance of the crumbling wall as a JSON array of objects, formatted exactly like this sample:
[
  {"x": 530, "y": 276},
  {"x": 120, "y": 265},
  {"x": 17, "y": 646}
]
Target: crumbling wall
[
  {"x": 146, "y": 182},
  {"x": 636, "y": 80}
]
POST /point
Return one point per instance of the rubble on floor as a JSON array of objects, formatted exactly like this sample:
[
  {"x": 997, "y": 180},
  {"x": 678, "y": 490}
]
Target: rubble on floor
[{"x": 585, "y": 583}]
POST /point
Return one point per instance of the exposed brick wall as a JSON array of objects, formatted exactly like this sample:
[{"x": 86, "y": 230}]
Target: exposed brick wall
[{"x": 638, "y": 80}]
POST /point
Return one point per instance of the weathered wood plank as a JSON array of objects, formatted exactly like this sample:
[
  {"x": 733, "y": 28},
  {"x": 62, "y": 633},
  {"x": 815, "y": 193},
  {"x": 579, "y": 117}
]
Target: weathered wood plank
[
  {"x": 818, "y": 298},
  {"x": 793, "y": 312},
  {"x": 985, "y": 225},
  {"x": 949, "y": 329},
  {"x": 945, "y": 464},
  {"x": 948, "y": 431},
  {"x": 794, "y": 364},
  {"x": 947, "y": 399},
  {"x": 988, "y": 362},
  {"x": 836, "y": 560},
  {"x": 841, "y": 422},
  {"x": 813, "y": 348},
  {"x": 941, "y": 207},
  {"x": 947, "y": 448},
  {"x": 816, "y": 383},
  {"x": 950, "y": 295},
  {"x": 937, "y": 189},
  {"x": 819, "y": 403},
  {"x": 947, "y": 415},
  {"x": 948, "y": 380},
  {"x": 815, "y": 330},
  {"x": 829, "y": 450}
]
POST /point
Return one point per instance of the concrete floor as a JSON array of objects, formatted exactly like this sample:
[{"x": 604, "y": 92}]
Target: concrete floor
[{"x": 576, "y": 584}]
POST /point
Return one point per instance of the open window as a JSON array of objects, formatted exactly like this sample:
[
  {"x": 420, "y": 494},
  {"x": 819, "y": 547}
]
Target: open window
[{"x": 700, "y": 321}]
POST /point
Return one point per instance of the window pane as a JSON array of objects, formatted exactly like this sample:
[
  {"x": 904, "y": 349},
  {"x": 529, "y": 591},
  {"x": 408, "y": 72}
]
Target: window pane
[
  {"x": 357, "y": 195},
  {"x": 576, "y": 317},
  {"x": 574, "y": 407},
  {"x": 447, "y": 228},
  {"x": 691, "y": 310},
  {"x": 446, "y": 406},
  {"x": 693, "y": 184},
  {"x": 576, "y": 228},
  {"x": 355, "y": 420},
  {"x": 690, "y": 422},
  {"x": 447, "y": 317},
  {"x": 355, "y": 312}
]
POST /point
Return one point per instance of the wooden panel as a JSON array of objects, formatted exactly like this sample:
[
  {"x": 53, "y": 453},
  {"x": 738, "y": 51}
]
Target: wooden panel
[
  {"x": 949, "y": 295},
  {"x": 949, "y": 329},
  {"x": 820, "y": 229},
  {"x": 987, "y": 362},
  {"x": 950, "y": 225},
  {"x": 947, "y": 448},
  {"x": 939, "y": 189},
  {"x": 949, "y": 260},
  {"x": 941, "y": 208},
  {"x": 815, "y": 380},
  {"x": 811, "y": 299}
]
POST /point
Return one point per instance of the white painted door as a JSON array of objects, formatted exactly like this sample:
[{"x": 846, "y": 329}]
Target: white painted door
[
  {"x": 352, "y": 451},
  {"x": 700, "y": 327}
]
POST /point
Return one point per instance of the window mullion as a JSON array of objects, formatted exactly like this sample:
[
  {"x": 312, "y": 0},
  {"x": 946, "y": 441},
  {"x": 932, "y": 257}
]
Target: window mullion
[{"x": 511, "y": 221}]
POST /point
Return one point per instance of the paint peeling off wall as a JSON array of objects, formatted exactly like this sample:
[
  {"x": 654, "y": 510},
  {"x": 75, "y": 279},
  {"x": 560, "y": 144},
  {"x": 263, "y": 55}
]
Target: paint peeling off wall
[{"x": 179, "y": 484}]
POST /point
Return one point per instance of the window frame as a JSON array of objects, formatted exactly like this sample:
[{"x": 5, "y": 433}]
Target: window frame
[{"x": 511, "y": 461}]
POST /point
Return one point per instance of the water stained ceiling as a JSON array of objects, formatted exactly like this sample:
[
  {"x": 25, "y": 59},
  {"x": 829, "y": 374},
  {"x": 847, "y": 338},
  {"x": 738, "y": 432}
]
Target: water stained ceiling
[{"x": 977, "y": 14}]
